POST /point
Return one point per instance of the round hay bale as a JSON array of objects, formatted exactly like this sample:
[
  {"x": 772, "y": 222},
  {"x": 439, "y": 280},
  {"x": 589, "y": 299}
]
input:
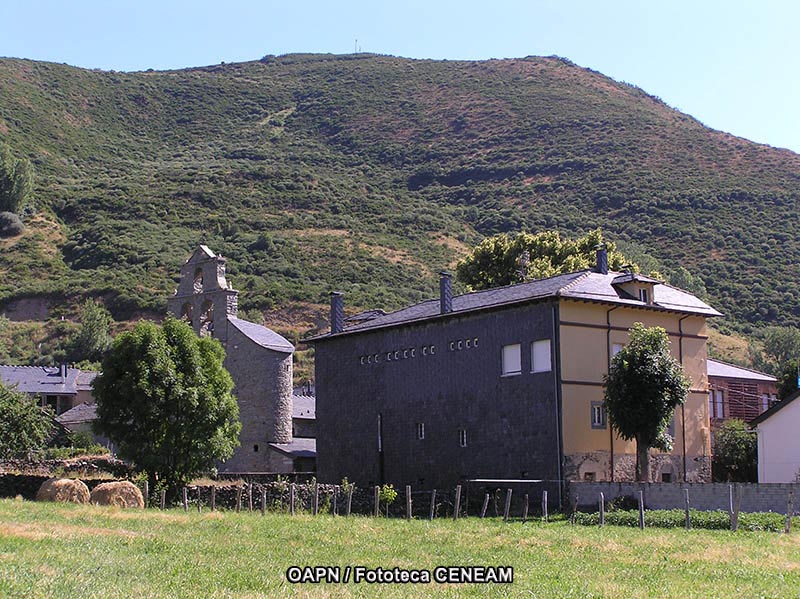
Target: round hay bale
[
  {"x": 121, "y": 493},
  {"x": 63, "y": 490}
]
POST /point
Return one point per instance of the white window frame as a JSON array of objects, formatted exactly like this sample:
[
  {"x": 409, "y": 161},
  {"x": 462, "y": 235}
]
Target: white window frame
[
  {"x": 420, "y": 431},
  {"x": 537, "y": 365},
  {"x": 597, "y": 409},
  {"x": 462, "y": 437},
  {"x": 644, "y": 295},
  {"x": 509, "y": 361}
]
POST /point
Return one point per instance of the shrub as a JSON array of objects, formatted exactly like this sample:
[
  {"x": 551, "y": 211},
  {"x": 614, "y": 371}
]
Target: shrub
[
  {"x": 711, "y": 520},
  {"x": 10, "y": 224}
]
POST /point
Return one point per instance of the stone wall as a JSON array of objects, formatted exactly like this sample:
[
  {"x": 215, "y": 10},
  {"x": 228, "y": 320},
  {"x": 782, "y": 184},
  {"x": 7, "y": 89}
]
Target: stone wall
[{"x": 763, "y": 497}]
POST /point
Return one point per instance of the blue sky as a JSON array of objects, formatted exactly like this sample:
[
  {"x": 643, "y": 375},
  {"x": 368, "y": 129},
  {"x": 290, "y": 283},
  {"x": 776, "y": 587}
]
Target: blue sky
[{"x": 732, "y": 65}]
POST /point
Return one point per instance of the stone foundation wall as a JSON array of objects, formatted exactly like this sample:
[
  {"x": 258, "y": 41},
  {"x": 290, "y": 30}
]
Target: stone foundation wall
[{"x": 581, "y": 467}]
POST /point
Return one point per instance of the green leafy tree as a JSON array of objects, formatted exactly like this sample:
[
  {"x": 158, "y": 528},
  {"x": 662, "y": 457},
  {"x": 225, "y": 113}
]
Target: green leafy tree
[
  {"x": 781, "y": 345},
  {"x": 735, "y": 453},
  {"x": 93, "y": 338},
  {"x": 641, "y": 391},
  {"x": 787, "y": 378},
  {"x": 164, "y": 397},
  {"x": 24, "y": 426},
  {"x": 16, "y": 181},
  {"x": 506, "y": 259}
]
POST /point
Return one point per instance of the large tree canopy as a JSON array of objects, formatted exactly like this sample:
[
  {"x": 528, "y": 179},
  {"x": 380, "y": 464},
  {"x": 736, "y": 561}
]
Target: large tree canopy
[
  {"x": 506, "y": 259},
  {"x": 164, "y": 397},
  {"x": 24, "y": 425},
  {"x": 735, "y": 453},
  {"x": 642, "y": 389}
]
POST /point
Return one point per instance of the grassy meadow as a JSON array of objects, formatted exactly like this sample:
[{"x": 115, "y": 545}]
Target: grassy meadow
[{"x": 70, "y": 551}]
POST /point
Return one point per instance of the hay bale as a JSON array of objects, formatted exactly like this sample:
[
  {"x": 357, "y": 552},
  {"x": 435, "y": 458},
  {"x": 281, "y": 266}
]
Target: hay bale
[
  {"x": 121, "y": 493},
  {"x": 63, "y": 490}
]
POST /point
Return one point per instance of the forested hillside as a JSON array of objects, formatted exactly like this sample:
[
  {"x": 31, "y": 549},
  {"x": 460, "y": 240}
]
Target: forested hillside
[{"x": 369, "y": 174}]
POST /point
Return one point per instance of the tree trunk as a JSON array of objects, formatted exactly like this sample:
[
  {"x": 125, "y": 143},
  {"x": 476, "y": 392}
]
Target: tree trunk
[{"x": 642, "y": 462}]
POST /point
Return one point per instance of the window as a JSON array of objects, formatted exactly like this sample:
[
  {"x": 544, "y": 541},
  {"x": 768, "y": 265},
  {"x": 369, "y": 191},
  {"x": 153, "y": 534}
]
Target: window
[
  {"x": 644, "y": 296},
  {"x": 764, "y": 402},
  {"x": 666, "y": 477},
  {"x": 420, "y": 430},
  {"x": 255, "y": 448},
  {"x": 512, "y": 363},
  {"x": 598, "y": 415},
  {"x": 462, "y": 437},
  {"x": 540, "y": 356},
  {"x": 719, "y": 403}
]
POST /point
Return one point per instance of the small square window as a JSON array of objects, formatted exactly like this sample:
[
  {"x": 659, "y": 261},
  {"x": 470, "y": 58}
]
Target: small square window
[
  {"x": 420, "y": 430},
  {"x": 512, "y": 361},
  {"x": 666, "y": 477},
  {"x": 598, "y": 415},
  {"x": 540, "y": 356},
  {"x": 462, "y": 437}
]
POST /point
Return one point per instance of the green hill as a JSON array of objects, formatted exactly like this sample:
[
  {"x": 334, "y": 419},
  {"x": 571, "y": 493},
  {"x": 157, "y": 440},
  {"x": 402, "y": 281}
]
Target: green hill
[{"x": 370, "y": 173}]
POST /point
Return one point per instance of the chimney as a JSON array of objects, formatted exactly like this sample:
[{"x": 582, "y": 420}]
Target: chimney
[
  {"x": 446, "y": 292},
  {"x": 62, "y": 370},
  {"x": 602, "y": 260},
  {"x": 337, "y": 312}
]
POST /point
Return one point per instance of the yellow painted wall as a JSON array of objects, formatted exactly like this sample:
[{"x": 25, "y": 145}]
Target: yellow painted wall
[{"x": 584, "y": 359}]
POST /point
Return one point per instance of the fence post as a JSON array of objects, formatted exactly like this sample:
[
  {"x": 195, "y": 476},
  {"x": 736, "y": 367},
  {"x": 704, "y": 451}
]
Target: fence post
[
  {"x": 335, "y": 500},
  {"x": 198, "y": 499},
  {"x": 263, "y": 500},
  {"x": 686, "y": 509},
  {"x": 574, "y": 510},
  {"x": 485, "y": 505},
  {"x": 433, "y": 504},
  {"x": 458, "y": 502},
  {"x": 641, "y": 510},
  {"x": 146, "y": 492},
  {"x": 291, "y": 498},
  {"x": 544, "y": 506},
  {"x": 602, "y": 509},
  {"x": 238, "y": 499},
  {"x": 250, "y": 497},
  {"x": 730, "y": 500},
  {"x": 408, "y": 502},
  {"x": 736, "y": 504},
  {"x": 525, "y": 509},
  {"x": 163, "y": 499},
  {"x": 185, "y": 500},
  {"x": 376, "y": 499},
  {"x": 315, "y": 507},
  {"x": 349, "y": 499},
  {"x": 789, "y": 511},
  {"x": 508, "y": 505},
  {"x": 213, "y": 498}
]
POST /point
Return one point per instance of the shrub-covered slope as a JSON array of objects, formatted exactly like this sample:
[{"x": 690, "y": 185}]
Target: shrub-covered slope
[{"x": 370, "y": 173}]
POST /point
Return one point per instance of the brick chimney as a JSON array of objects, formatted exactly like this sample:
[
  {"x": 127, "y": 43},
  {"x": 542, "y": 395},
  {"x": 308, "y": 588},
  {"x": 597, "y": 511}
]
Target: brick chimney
[
  {"x": 445, "y": 292},
  {"x": 602, "y": 260},
  {"x": 337, "y": 312}
]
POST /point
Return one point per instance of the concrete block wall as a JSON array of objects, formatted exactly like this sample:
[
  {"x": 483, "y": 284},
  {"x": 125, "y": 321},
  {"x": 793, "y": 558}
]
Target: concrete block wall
[{"x": 756, "y": 497}]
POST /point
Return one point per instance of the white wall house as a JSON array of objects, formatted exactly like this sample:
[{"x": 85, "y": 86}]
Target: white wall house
[{"x": 779, "y": 442}]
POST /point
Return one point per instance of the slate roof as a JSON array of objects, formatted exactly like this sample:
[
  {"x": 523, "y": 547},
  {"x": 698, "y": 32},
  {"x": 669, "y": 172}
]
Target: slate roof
[
  {"x": 298, "y": 448},
  {"x": 774, "y": 409},
  {"x": 84, "y": 412},
  {"x": 304, "y": 407},
  {"x": 731, "y": 371},
  {"x": 584, "y": 285},
  {"x": 46, "y": 380},
  {"x": 261, "y": 335}
]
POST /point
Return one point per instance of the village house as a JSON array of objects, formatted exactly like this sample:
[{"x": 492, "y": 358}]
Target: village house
[
  {"x": 778, "y": 441},
  {"x": 260, "y": 363},
  {"x": 505, "y": 383},
  {"x": 737, "y": 392},
  {"x": 60, "y": 387}
]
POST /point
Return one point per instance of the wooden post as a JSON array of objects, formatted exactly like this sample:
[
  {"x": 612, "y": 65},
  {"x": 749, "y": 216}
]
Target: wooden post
[
  {"x": 544, "y": 506},
  {"x": 238, "y": 499},
  {"x": 146, "y": 492},
  {"x": 789, "y": 511},
  {"x": 335, "y": 500},
  {"x": 602, "y": 521},
  {"x": 686, "y": 509},
  {"x": 376, "y": 499},
  {"x": 213, "y": 498},
  {"x": 349, "y": 499},
  {"x": 508, "y": 505},
  {"x": 641, "y": 510},
  {"x": 736, "y": 504},
  {"x": 198, "y": 499},
  {"x": 315, "y": 507},
  {"x": 264, "y": 500},
  {"x": 457, "y": 506},
  {"x": 433, "y": 504},
  {"x": 408, "y": 502},
  {"x": 525, "y": 509},
  {"x": 485, "y": 505},
  {"x": 574, "y": 510},
  {"x": 250, "y": 497},
  {"x": 185, "y": 500},
  {"x": 291, "y": 499},
  {"x": 163, "y": 499},
  {"x": 730, "y": 500}
]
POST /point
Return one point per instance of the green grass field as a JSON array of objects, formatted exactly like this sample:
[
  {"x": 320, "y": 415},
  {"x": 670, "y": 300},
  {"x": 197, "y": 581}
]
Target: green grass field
[{"x": 86, "y": 552}]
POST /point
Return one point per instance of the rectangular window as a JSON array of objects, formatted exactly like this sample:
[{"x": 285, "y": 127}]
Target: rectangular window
[
  {"x": 764, "y": 402},
  {"x": 512, "y": 362},
  {"x": 719, "y": 404},
  {"x": 420, "y": 430},
  {"x": 540, "y": 356},
  {"x": 644, "y": 296},
  {"x": 462, "y": 437},
  {"x": 598, "y": 415}
]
